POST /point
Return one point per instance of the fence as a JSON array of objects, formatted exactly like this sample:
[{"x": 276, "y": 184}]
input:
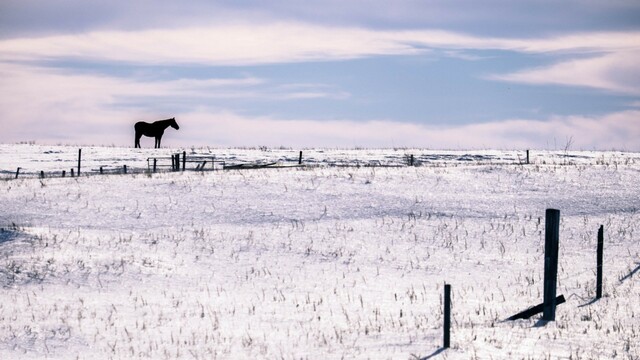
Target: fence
[{"x": 210, "y": 162}]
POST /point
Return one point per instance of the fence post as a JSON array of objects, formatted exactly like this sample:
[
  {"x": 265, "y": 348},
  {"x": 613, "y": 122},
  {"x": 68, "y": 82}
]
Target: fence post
[
  {"x": 178, "y": 162},
  {"x": 64, "y": 173},
  {"x": 71, "y": 172},
  {"x": 411, "y": 160},
  {"x": 17, "y": 172},
  {"x": 300, "y": 158},
  {"x": 101, "y": 171},
  {"x": 41, "y": 174},
  {"x": 125, "y": 168},
  {"x": 527, "y": 157},
  {"x": 447, "y": 316},
  {"x": 184, "y": 160},
  {"x": 551, "y": 241},
  {"x": 79, "y": 157},
  {"x": 155, "y": 161},
  {"x": 599, "y": 262}
]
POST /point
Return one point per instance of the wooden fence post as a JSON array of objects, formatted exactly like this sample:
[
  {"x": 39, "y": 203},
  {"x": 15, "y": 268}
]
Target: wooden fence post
[
  {"x": 71, "y": 172},
  {"x": 447, "y": 316},
  {"x": 599, "y": 262},
  {"x": 551, "y": 241},
  {"x": 17, "y": 172},
  {"x": 300, "y": 158},
  {"x": 527, "y": 157},
  {"x": 184, "y": 160},
  {"x": 411, "y": 160},
  {"x": 155, "y": 162},
  {"x": 177, "y": 162},
  {"x": 125, "y": 168},
  {"x": 41, "y": 174},
  {"x": 79, "y": 157},
  {"x": 64, "y": 173},
  {"x": 101, "y": 171}
]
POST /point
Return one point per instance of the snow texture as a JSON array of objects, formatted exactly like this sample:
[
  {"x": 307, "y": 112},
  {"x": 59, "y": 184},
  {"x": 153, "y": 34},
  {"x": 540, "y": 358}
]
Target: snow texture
[{"x": 335, "y": 259}]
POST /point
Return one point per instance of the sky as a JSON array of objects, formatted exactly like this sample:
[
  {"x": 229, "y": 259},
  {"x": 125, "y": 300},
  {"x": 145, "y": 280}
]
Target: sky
[{"x": 333, "y": 73}]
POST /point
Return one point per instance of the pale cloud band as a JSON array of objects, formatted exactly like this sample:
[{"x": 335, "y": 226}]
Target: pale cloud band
[
  {"x": 617, "y": 131},
  {"x": 84, "y": 102},
  {"x": 611, "y": 63}
]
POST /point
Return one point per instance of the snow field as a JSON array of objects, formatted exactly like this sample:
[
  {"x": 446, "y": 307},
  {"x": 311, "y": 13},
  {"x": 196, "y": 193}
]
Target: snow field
[{"x": 318, "y": 262}]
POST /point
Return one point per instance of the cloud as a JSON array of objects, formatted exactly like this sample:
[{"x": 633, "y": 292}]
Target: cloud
[
  {"x": 618, "y": 72},
  {"x": 613, "y": 131},
  {"x": 78, "y": 109},
  {"x": 222, "y": 45},
  {"x": 248, "y": 44},
  {"x": 610, "y": 63}
]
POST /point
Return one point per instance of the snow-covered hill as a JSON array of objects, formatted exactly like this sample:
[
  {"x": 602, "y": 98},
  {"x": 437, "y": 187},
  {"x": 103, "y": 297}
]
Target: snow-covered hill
[{"x": 315, "y": 262}]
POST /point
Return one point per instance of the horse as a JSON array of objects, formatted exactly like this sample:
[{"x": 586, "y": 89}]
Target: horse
[{"x": 155, "y": 129}]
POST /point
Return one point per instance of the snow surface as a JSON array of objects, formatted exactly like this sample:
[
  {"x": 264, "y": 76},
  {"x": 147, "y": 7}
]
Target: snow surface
[{"x": 321, "y": 261}]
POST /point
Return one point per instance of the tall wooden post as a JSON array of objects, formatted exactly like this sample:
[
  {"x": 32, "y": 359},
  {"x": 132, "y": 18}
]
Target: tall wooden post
[
  {"x": 300, "y": 158},
  {"x": 447, "y": 316},
  {"x": 551, "y": 241},
  {"x": 527, "y": 157},
  {"x": 184, "y": 160},
  {"x": 599, "y": 262},
  {"x": 79, "y": 158},
  {"x": 177, "y": 162},
  {"x": 17, "y": 172}
]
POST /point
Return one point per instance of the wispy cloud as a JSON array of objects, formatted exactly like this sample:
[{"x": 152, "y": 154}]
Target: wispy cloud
[
  {"x": 285, "y": 42},
  {"x": 78, "y": 109},
  {"x": 611, "y": 63},
  {"x": 618, "y": 72},
  {"x": 613, "y": 131}
]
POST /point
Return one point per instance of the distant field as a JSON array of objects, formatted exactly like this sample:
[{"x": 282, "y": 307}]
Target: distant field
[{"x": 343, "y": 258}]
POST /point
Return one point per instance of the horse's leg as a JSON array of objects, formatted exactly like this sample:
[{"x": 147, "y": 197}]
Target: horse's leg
[
  {"x": 138, "y": 136},
  {"x": 158, "y": 138}
]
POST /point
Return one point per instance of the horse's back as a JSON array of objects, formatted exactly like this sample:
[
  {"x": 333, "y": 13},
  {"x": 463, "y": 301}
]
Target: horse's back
[{"x": 140, "y": 125}]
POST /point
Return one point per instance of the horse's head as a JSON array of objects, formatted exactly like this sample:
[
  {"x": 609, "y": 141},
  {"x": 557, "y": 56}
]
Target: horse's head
[{"x": 174, "y": 124}]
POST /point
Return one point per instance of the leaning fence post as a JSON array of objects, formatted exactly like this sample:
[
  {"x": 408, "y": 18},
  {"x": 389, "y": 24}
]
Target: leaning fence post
[
  {"x": 17, "y": 172},
  {"x": 184, "y": 160},
  {"x": 300, "y": 158},
  {"x": 79, "y": 157},
  {"x": 447, "y": 316},
  {"x": 599, "y": 262},
  {"x": 552, "y": 238}
]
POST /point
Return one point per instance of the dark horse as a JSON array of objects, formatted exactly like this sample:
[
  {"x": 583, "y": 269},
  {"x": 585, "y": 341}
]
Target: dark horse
[{"x": 155, "y": 129}]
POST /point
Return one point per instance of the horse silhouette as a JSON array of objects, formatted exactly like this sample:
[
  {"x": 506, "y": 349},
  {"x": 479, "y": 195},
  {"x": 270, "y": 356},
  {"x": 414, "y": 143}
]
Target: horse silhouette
[{"x": 155, "y": 129}]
